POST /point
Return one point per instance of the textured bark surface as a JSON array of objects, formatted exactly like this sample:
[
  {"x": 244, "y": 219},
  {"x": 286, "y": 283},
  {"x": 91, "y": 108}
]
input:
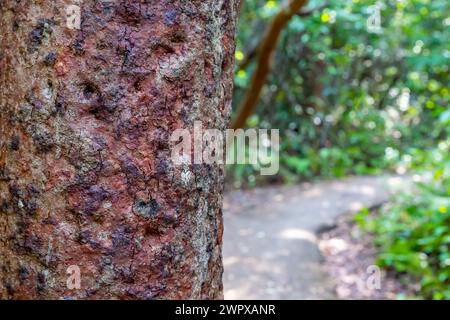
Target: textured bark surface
[{"x": 85, "y": 172}]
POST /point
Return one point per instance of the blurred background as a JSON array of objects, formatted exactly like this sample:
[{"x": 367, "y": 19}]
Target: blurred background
[{"x": 360, "y": 208}]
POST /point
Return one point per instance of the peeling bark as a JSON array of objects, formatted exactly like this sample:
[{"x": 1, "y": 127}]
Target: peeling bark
[{"x": 85, "y": 173}]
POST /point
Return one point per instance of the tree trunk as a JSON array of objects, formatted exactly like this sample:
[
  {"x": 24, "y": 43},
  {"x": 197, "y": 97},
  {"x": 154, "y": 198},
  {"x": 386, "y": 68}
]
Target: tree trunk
[{"x": 86, "y": 178}]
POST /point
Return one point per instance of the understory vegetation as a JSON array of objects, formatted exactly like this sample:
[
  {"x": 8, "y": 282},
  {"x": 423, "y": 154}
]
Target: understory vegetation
[{"x": 413, "y": 232}]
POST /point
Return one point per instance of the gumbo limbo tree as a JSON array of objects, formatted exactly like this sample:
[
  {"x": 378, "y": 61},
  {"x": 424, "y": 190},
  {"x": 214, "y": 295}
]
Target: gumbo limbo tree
[{"x": 86, "y": 177}]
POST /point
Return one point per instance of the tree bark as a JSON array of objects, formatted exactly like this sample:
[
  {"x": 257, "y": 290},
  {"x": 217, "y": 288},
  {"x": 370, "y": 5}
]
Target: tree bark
[{"x": 86, "y": 177}]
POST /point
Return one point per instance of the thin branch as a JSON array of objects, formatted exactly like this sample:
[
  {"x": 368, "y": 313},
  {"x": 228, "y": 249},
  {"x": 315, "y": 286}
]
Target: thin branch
[
  {"x": 265, "y": 54},
  {"x": 254, "y": 51}
]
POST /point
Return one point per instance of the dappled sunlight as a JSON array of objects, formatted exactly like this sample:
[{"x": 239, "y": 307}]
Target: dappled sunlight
[
  {"x": 356, "y": 206},
  {"x": 312, "y": 193},
  {"x": 298, "y": 234},
  {"x": 333, "y": 245},
  {"x": 368, "y": 190}
]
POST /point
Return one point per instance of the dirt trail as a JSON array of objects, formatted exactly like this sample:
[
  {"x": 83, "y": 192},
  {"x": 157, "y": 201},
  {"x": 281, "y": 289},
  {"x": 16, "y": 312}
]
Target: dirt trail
[{"x": 270, "y": 245}]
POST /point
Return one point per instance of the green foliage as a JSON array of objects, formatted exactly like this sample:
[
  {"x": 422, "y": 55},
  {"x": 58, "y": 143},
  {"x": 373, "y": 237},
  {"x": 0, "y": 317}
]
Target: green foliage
[
  {"x": 413, "y": 232},
  {"x": 348, "y": 101}
]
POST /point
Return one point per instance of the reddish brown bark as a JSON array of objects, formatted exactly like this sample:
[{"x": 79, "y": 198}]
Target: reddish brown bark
[{"x": 85, "y": 171}]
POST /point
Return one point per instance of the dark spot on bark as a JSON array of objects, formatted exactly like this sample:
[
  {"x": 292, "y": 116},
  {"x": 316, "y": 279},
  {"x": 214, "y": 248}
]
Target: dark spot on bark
[
  {"x": 59, "y": 105},
  {"x": 50, "y": 59},
  {"x": 77, "y": 47},
  {"x": 41, "y": 281},
  {"x": 94, "y": 197},
  {"x": 131, "y": 12},
  {"x": 89, "y": 90},
  {"x": 146, "y": 209},
  {"x": 50, "y": 84},
  {"x": 167, "y": 255},
  {"x": 97, "y": 193},
  {"x": 32, "y": 189},
  {"x": 22, "y": 227},
  {"x": 15, "y": 193},
  {"x": 42, "y": 140},
  {"x": 30, "y": 208},
  {"x": 49, "y": 221},
  {"x": 164, "y": 45},
  {"x": 95, "y": 245},
  {"x": 4, "y": 175},
  {"x": 23, "y": 200},
  {"x": 33, "y": 244},
  {"x": 208, "y": 91},
  {"x": 161, "y": 166},
  {"x": 126, "y": 56},
  {"x": 14, "y": 190},
  {"x": 227, "y": 63},
  {"x": 107, "y": 7},
  {"x": 131, "y": 170},
  {"x": 33, "y": 100},
  {"x": 96, "y": 101},
  {"x": 15, "y": 25},
  {"x": 23, "y": 273},
  {"x": 127, "y": 275},
  {"x": 171, "y": 16},
  {"x": 113, "y": 96},
  {"x": 84, "y": 237},
  {"x": 210, "y": 248},
  {"x": 161, "y": 140},
  {"x": 137, "y": 85},
  {"x": 190, "y": 12},
  {"x": 9, "y": 288},
  {"x": 105, "y": 261},
  {"x": 121, "y": 238},
  {"x": 161, "y": 222},
  {"x": 36, "y": 35},
  {"x": 89, "y": 293},
  {"x": 170, "y": 219},
  {"x": 4, "y": 208},
  {"x": 178, "y": 36},
  {"x": 14, "y": 143}
]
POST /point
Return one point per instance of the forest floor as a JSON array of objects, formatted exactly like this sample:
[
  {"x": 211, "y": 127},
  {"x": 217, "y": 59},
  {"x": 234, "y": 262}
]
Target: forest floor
[{"x": 296, "y": 242}]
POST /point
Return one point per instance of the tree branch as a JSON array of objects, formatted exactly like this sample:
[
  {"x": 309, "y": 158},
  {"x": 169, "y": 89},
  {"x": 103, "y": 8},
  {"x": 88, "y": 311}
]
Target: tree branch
[
  {"x": 265, "y": 52},
  {"x": 254, "y": 51}
]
